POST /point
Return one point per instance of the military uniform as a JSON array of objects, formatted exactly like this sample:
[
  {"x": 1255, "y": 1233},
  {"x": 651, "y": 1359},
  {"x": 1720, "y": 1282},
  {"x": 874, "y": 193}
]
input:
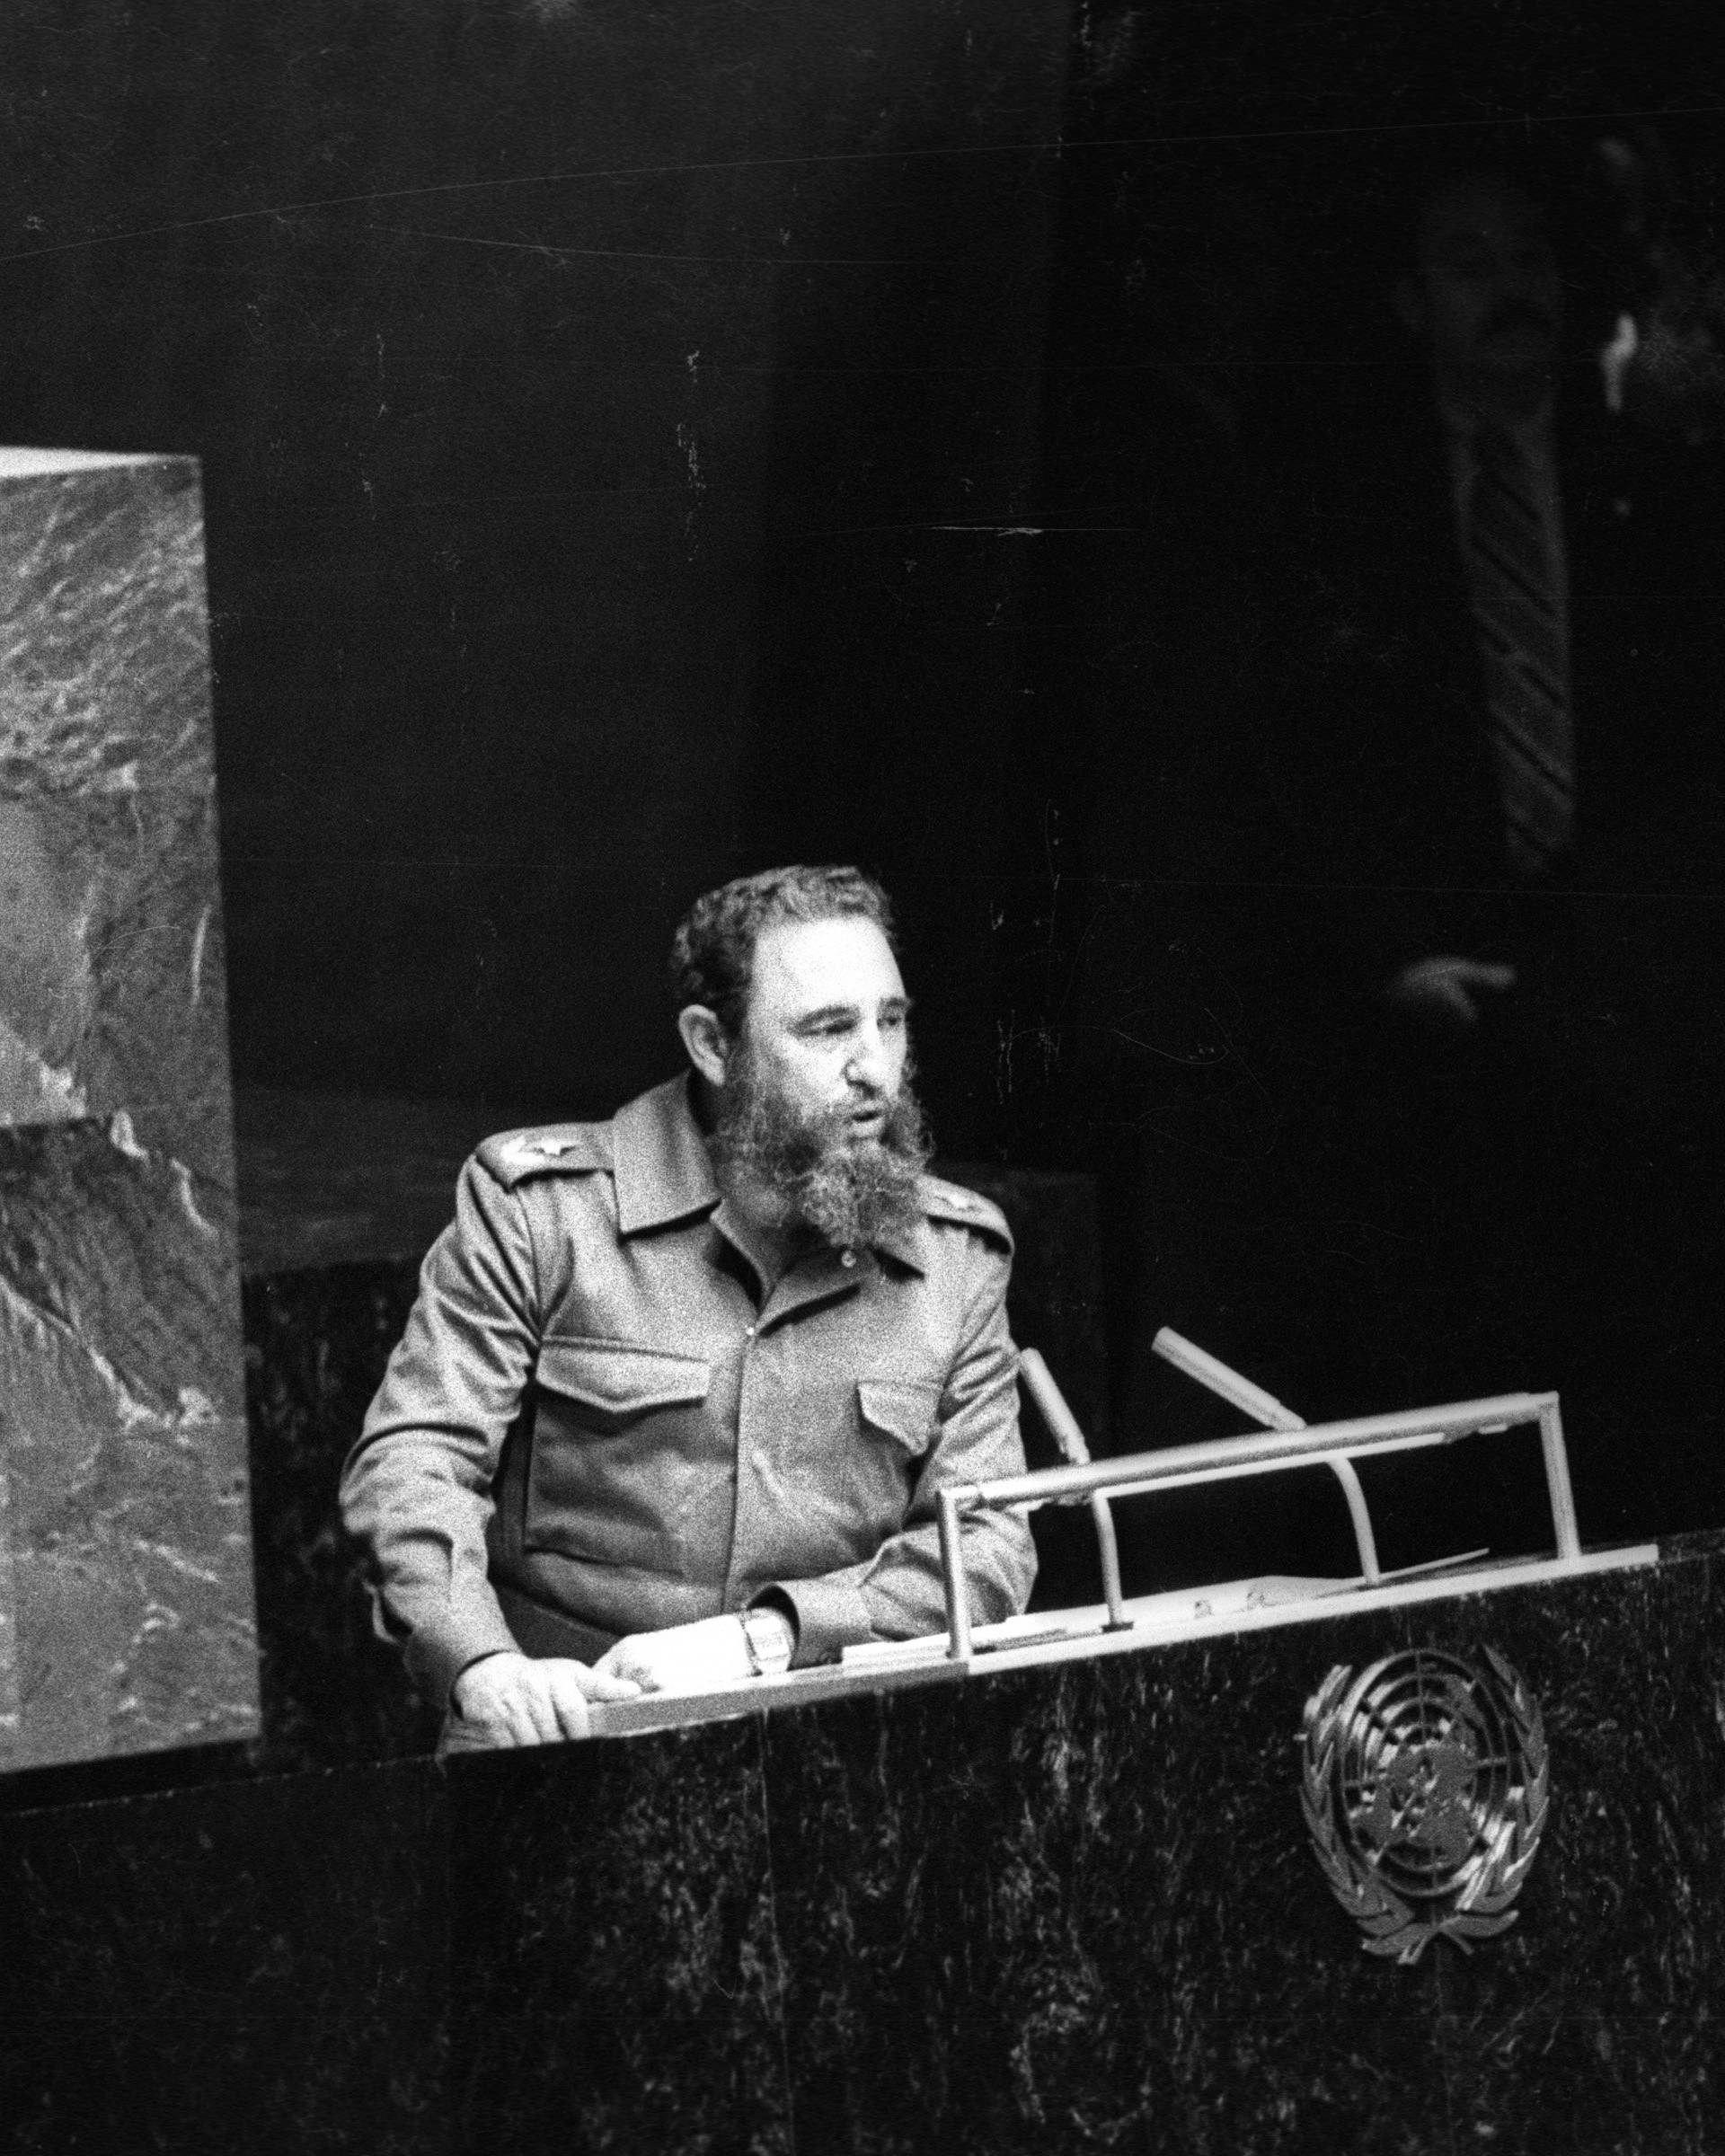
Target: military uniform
[{"x": 594, "y": 1425}]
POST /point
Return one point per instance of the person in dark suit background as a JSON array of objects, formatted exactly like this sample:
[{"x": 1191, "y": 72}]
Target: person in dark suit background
[{"x": 1494, "y": 795}]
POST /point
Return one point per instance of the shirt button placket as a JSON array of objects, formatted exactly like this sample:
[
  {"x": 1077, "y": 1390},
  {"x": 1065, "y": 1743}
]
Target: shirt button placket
[{"x": 748, "y": 1493}]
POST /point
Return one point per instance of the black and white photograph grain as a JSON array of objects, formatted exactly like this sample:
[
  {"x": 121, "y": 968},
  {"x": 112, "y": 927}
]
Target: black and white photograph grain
[{"x": 861, "y": 1078}]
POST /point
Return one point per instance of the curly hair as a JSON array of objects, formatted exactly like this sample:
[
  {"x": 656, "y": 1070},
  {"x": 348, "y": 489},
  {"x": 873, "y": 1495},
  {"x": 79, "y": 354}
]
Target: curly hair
[{"x": 712, "y": 955}]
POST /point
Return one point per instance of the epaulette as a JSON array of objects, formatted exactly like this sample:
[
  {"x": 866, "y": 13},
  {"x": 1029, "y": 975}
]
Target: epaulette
[
  {"x": 547, "y": 1149},
  {"x": 967, "y": 1208}
]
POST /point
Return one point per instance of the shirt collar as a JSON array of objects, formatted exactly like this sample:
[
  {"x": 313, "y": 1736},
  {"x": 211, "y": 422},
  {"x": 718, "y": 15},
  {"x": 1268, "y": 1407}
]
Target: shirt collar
[
  {"x": 908, "y": 1245},
  {"x": 661, "y": 1160}
]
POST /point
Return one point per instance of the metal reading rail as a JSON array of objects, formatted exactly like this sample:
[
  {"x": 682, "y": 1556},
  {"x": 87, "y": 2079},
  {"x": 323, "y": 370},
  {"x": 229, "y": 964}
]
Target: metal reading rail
[{"x": 1334, "y": 1444}]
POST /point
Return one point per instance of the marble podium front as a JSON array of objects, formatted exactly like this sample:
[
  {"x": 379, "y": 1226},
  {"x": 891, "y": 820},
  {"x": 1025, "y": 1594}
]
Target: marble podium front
[
  {"x": 1063, "y": 1908},
  {"x": 126, "y": 1604}
]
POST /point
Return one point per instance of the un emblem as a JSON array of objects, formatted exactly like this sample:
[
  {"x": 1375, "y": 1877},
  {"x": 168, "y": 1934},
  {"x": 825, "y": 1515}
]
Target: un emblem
[{"x": 1425, "y": 1790}]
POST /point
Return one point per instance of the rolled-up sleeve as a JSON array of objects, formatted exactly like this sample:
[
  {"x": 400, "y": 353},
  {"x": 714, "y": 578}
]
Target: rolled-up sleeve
[
  {"x": 416, "y": 1486},
  {"x": 899, "y": 1593}
]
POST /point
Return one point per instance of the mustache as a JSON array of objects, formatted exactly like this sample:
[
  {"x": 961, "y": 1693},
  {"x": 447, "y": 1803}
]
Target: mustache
[
  {"x": 843, "y": 1191},
  {"x": 802, "y": 1143}
]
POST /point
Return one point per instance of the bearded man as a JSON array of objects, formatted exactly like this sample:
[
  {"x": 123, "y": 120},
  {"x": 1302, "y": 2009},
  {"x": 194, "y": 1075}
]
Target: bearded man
[{"x": 680, "y": 1389}]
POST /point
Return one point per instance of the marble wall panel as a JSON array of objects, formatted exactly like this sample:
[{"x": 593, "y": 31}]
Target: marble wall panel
[
  {"x": 125, "y": 1438},
  {"x": 8, "y": 1626},
  {"x": 122, "y": 1414},
  {"x": 111, "y": 987}
]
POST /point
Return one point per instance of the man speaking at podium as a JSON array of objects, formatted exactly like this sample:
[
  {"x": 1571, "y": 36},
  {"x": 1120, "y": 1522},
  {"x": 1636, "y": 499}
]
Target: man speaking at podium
[{"x": 680, "y": 1389}]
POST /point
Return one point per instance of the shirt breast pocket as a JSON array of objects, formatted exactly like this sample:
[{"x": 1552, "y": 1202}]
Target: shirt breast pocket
[
  {"x": 620, "y": 1456},
  {"x": 612, "y": 1382},
  {"x": 901, "y": 1410}
]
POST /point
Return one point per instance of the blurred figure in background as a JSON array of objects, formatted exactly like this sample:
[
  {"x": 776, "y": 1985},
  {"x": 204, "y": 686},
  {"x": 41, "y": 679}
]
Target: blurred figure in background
[{"x": 1495, "y": 657}]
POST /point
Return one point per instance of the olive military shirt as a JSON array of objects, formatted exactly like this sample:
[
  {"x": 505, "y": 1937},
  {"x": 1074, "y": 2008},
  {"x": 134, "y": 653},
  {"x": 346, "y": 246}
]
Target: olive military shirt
[{"x": 592, "y": 1407}]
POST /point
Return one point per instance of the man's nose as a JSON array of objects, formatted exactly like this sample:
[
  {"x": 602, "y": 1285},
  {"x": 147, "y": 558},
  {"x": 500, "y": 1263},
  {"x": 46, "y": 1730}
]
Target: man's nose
[{"x": 868, "y": 1063}]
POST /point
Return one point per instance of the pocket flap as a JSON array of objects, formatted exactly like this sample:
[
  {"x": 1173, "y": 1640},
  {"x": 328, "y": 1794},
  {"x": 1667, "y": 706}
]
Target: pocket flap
[
  {"x": 904, "y": 1407},
  {"x": 621, "y": 1379}
]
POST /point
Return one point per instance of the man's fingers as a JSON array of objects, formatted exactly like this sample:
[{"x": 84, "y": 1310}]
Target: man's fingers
[
  {"x": 1437, "y": 996},
  {"x": 518, "y": 1701},
  {"x": 602, "y": 1681},
  {"x": 606, "y": 1684},
  {"x": 626, "y": 1663},
  {"x": 568, "y": 1700},
  {"x": 1457, "y": 1000},
  {"x": 1467, "y": 979},
  {"x": 540, "y": 1710},
  {"x": 1446, "y": 988},
  {"x": 494, "y": 1728},
  {"x": 517, "y": 1714},
  {"x": 509, "y": 1723},
  {"x": 546, "y": 1718}
]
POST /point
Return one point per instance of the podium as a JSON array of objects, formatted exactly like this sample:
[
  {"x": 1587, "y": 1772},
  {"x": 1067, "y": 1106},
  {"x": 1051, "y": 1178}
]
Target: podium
[{"x": 1058, "y": 1897}]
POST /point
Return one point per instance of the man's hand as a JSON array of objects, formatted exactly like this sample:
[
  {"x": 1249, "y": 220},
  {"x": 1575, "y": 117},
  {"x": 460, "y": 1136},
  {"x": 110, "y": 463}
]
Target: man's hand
[
  {"x": 683, "y": 1658},
  {"x": 1448, "y": 992},
  {"x": 512, "y": 1700}
]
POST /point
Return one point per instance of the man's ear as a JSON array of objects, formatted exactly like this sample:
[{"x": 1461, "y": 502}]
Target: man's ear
[
  {"x": 1409, "y": 301},
  {"x": 704, "y": 1038}
]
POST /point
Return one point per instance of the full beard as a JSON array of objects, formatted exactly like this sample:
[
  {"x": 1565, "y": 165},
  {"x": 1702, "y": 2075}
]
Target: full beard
[{"x": 841, "y": 1189}]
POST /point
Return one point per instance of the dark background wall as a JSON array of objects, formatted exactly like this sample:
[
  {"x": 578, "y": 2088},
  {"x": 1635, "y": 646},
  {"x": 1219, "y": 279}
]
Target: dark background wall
[
  {"x": 644, "y": 442},
  {"x": 565, "y": 379},
  {"x": 1232, "y": 211},
  {"x": 1234, "y": 200}
]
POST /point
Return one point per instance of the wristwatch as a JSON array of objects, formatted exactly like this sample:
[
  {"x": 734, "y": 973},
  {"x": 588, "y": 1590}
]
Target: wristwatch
[{"x": 766, "y": 1633}]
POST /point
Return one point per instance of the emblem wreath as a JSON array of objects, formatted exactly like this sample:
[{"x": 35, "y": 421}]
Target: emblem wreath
[{"x": 1475, "y": 1901}]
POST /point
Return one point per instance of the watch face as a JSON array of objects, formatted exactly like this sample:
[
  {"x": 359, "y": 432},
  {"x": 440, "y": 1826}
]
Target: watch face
[{"x": 768, "y": 1647}]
